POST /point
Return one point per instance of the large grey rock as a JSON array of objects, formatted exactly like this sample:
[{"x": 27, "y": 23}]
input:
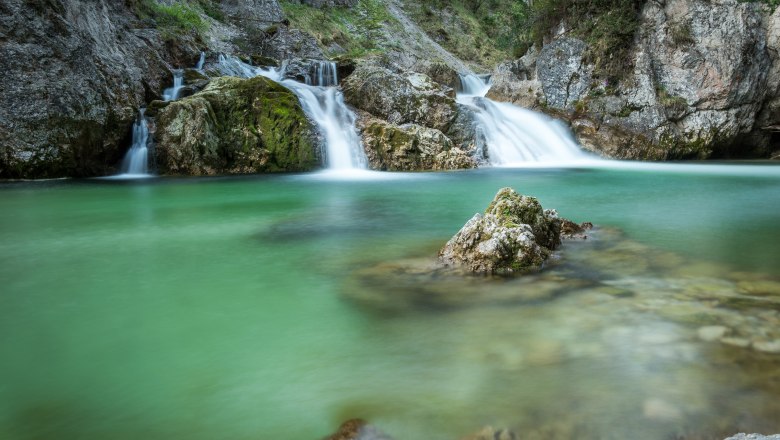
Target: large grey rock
[
  {"x": 400, "y": 97},
  {"x": 564, "y": 76},
  {"x": 513, "y": 235},
  {"x": 328, "y": 3},
  {"x": 409, "y": 147},
  {"x": 743, "y": 436},
  {"x": 74, "y": 74},
  {"x": 262, "y": 12}
]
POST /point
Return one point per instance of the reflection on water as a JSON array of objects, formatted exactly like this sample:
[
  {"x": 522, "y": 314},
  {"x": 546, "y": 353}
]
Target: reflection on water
[{"x": 278, "y": 307}]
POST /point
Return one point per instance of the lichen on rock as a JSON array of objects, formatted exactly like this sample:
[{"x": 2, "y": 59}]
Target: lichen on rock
[{"x": 514, "y": 235}]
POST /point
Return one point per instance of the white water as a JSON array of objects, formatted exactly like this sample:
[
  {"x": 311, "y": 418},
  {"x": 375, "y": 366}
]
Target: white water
[
  {"x": 515, "y": 136},
  {"x": 201, "y": 61},
  {"x": 136, "y": 161},
  {"x": 172, "y": 93},
  {"x": 323, "y": 103}
]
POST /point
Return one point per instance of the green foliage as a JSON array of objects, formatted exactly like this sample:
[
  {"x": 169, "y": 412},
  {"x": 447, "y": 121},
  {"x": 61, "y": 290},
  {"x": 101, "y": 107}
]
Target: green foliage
[
  {"x": 356, "y": 29},
  {"x": 608, "y": 26},
  {"x": 180, "y": 17},
  {"x": 675, "y": 104}
]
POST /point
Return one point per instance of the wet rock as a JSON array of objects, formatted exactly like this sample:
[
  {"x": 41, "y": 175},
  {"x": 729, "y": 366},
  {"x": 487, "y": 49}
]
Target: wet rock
[
  {"x": 572, "y": 230},
  {"x": 759, "y": 287},
  {"x": 767, "y": 346},
  {"x": 736, "y": 342},
  {"x": 235, "y": 126},
  {"x": 409, "y": 147},
  {"x": 357, "y": 429},
  {"x": 74, "y": 75},
  {"x": 514, "y": 235},
  {"x": 659, "y": 409},
  {"x": 400, "y": 98},
  {"x": 490, "y": 433},
  {"x": 711, "y": 333}
]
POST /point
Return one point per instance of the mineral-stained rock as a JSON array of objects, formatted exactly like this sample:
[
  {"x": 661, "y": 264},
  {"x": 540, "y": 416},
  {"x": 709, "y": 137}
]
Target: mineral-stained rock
[
  {"x": 409, "y": 147},
  {"x": 235, "y": 126},
  {"x": 514, "y": 235}
]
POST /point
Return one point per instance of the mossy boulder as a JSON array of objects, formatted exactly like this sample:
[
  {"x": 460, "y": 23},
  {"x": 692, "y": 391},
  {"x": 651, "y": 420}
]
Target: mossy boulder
[
  {"x": 514, "y": 235},
  {"x": 235, "y": 126},
  {"x": 409, "y": 147}
]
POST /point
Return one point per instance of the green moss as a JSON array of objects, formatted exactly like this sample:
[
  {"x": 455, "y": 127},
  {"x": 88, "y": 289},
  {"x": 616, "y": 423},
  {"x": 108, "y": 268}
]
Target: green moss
[
  {"x": 608, "y": 26},
  {"x": 178, "y": 18},
  {"x": 358, "y": 30},
  {"x": 675, "y": 104}
]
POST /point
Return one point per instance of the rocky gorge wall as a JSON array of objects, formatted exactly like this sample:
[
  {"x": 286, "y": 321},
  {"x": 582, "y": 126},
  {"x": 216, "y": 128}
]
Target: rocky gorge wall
[
  {"x": 704, "y": 84},
  {"x": 705, "y": 80}
]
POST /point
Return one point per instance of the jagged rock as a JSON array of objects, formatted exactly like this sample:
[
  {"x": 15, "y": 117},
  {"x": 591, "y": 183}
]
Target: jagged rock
[
  {"x": 564, "y": 76},
  {"x": 235, "y": 126},
  {"x": 258, "y": 12},
  {"x": 704, "y": 83},
  {"x": 514, "y": 235},
  {"x": 743, "y": 436},
  {"x": 74, "y": 75},
  {"x": 400, "y": 98},
  {"x": 409, "y": 147},
  {"x": 357, "y": 429},
  {"x": 285, "y": 43}
]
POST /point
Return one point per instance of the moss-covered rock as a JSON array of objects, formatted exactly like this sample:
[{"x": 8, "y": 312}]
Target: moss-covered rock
[
  {"x": 514, "y": 235},
  {"x": 235, "y": 126},
  {"x": 409, "y": 147}
]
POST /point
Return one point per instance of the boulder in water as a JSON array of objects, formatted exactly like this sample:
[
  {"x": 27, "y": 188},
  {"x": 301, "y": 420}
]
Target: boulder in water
[
  {"x": 357, "y": 429},
  {"x": 514, "y": 235},
  {"x": 409, "y": 147},
  {"x": 235, "y": 126}
]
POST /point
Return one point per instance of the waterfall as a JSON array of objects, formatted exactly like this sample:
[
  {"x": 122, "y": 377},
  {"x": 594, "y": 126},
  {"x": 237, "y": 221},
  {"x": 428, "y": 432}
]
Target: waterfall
[
  {"x": 325, "y": 74},
  {"x": 201, "y": 61},
  {"x": 172, "y": 93},
  {"x": 514, "y": 135},
  {"x": 323, "y": 104},
  {"x": 136, "y": 160}
]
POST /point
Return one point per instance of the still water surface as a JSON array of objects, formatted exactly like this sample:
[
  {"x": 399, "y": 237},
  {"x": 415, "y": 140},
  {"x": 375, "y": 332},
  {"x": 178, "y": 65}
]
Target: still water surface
[{"x": 271, "y": 307}]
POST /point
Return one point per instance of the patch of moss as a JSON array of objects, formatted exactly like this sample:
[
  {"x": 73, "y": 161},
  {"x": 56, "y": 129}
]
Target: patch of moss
[
  {"x": 358, "y": 29},
  {"x": 681, "y": 34},
  {"x": 178, "y": 18}
]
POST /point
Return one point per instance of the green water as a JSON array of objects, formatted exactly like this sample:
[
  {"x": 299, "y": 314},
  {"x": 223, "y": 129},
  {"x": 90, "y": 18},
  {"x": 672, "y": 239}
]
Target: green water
[{"x": 251, "y": 308}]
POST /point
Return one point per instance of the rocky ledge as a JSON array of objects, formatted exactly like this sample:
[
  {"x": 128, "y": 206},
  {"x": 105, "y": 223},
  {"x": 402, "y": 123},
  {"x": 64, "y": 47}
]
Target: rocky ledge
[{"x": 514, "y": 235}]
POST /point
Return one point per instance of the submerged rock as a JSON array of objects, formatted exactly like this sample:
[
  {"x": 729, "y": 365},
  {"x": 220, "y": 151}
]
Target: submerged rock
[
  {"x": 515, "y": 234},
  {"x": 357, "y": 429},
  {"x": 235, "y": 126},
  {"x": 490, "y": 433}
]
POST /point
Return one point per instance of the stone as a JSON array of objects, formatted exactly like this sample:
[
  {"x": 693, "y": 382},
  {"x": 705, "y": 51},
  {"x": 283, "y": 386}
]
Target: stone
[
  {"x": 767, "y": 346},
  {"x": 357, "y": 429},
  {"x": 736, "y": 342},
  {"x": 565, "y": 78},
  {"x": 409, "y": 147},
  {"x": 235, "y": 126},
  {"x": 75, "y": 74},
  {"x": 711, "y": 333},
  {"x": 400, "y": 98},
  {"x": 514, "y": 235},
  {"x": 661, "y": 410},
  {"x": 490, "y": 433}
]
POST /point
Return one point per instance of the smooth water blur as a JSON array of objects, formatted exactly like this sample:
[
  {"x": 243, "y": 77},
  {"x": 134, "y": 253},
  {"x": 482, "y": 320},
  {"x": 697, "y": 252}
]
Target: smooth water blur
[{"x": 234, "y": 308}]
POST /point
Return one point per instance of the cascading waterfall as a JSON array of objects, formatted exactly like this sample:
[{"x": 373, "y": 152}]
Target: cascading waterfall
[
  {"x": 172, "y": 93},
  {"x": 323, "y": 103},
  {"x": 136, "y": 161},
  {"x": 201, "y": 61},
  {"x": 514, "y": 135}
]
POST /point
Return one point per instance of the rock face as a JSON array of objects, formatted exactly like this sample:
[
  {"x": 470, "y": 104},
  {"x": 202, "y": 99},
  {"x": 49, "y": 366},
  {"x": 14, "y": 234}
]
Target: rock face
[
  {"x": 704, "y": 84},
  {"x": 328, "y": 3},
  {"x": 409, "y": 147},
  {"x": 74, "y": 75},
  {"x": 357, "y": 429},
  {"x": 400, "y": 98},
  {"x": 514, "y": 235},
  {"x": 235, "y": 126}
]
